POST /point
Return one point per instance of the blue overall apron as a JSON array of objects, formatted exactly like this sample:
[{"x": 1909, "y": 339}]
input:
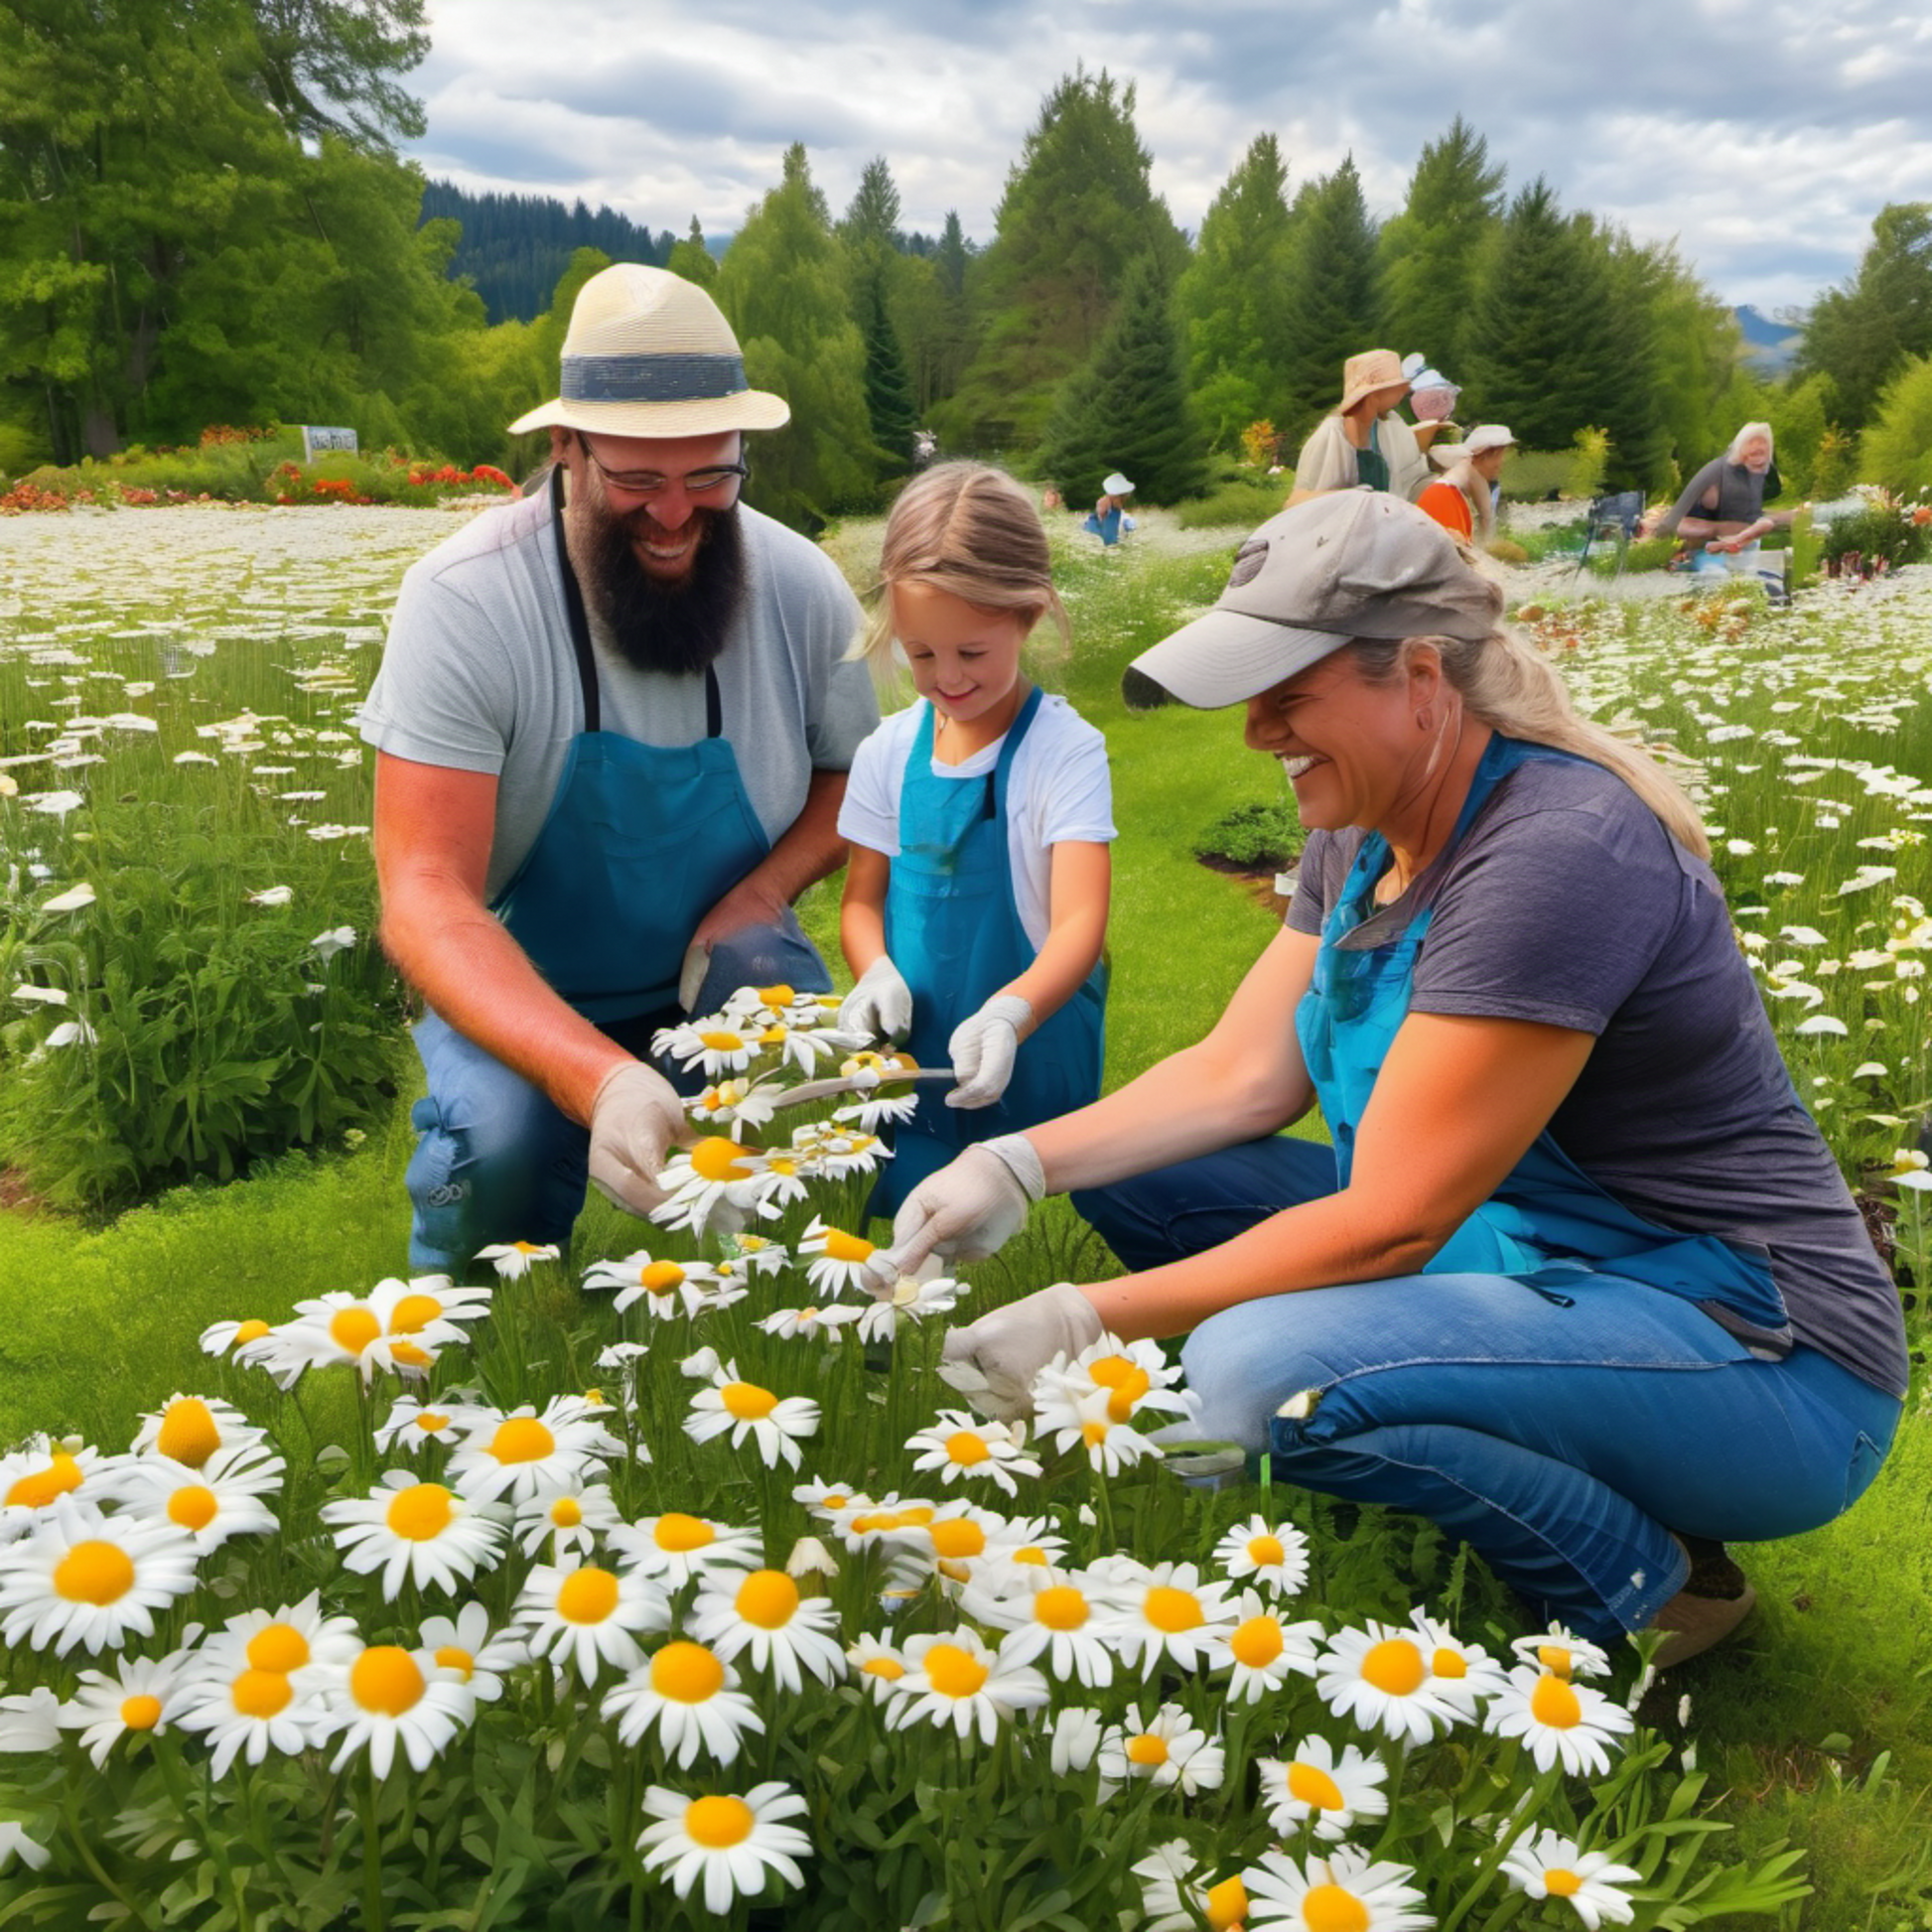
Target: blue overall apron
[
  {"x": 953, "y": 929},
  {"x": 640, "y": 842},
  {"x": 1548, "y": 1223}
]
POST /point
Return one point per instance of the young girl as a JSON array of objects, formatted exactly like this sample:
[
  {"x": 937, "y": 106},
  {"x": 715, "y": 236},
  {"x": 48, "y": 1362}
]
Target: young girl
[{"x": 979, "y": 818}]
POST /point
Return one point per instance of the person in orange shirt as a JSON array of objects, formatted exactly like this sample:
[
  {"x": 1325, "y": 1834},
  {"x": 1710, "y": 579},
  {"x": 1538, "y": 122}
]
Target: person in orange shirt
[{"x": 1463, "y": 498}]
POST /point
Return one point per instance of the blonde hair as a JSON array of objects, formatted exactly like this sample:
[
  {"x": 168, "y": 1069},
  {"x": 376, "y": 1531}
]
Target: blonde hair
[
  {"x": 1505, "y": 681},
  {"x": 1736, "y": 452},
  {"x": 970, "y": 530}
]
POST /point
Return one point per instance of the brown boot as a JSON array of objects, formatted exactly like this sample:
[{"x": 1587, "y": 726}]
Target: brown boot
[{"x": 1715, "y": 1600}]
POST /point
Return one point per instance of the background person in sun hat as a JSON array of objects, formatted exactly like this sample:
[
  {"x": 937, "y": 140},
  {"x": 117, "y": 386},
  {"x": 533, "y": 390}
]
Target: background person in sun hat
[
  {"x": 612, "y": 722},
  {"x": 1432, "y": 401},
  {"x": 1108, "y": 520},
  {"x": 1462, "y": 499},
  {"x": 1578, "y": 1279},
  {"x": 1362, "y": 440}
]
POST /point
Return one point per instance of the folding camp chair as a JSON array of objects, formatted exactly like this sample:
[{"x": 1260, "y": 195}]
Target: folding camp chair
[{"x": 1612, "y": 520}]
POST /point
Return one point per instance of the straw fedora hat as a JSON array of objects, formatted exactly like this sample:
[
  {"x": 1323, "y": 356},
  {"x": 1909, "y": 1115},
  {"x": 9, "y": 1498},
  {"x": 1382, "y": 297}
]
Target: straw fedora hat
[
  {"x": 650, "y": 353},
  {"x": 1372, "y": 369}
]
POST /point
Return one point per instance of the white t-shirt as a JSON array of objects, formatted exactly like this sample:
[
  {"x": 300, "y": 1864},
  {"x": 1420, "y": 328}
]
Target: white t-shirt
[{"x": 1058, "y": 788}]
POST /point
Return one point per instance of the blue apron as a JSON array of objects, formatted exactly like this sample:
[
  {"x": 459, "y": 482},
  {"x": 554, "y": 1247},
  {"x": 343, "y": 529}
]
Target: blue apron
[
  {"x": 640, "y": 842},
  {"x": 953, "y": 931},
  {"x": 1547, "y": 1223},
  {"x": 1107, "y": 527}
]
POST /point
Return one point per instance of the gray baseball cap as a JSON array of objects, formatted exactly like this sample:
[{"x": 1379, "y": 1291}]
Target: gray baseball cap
[{"x": 1354, "y": 563}]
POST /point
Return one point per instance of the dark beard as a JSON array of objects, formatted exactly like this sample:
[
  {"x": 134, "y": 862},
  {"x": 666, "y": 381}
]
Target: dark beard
[{"x": 676, "y": 628}]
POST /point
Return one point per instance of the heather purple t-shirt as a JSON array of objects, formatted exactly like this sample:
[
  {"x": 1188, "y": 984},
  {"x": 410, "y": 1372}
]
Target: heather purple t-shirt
[{"x": 1567, "y": 902}]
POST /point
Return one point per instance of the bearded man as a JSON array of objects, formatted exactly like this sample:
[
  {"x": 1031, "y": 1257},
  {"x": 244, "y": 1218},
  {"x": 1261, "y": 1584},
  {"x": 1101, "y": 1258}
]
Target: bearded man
[{"x": 612, "y": 727}]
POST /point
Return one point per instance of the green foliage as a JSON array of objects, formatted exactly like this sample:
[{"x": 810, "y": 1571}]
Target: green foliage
[
  {"x": 1896, "y": 449},
  {"x": 1861, "y": 335},
  {"x": 782, "y": 285},
  {"x": 1255, "y": 837},
  {"x": 1239, "y": 504},
  {"x": 1884, "y": 528},
  {"x": 1333, "y": 304},
  {"x": 1434, "y": 254},
  {"x": 1800, "y": 414},
  {"x": 1530, "y": 476},
  {"x": 692, "y": 258},
  {"x": 1129, "y": 408},
  {"x": 870, "y": 234}
]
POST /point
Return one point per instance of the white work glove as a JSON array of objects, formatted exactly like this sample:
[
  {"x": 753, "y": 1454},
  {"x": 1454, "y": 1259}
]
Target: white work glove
[
  {"x": 634, "y": 1119},
  {"x": 880, "y": 1005},
  {"x": 982, "y": 1049},
  {"x": 994, "y": 1360},
  {"x": 971, "y": 1208}
]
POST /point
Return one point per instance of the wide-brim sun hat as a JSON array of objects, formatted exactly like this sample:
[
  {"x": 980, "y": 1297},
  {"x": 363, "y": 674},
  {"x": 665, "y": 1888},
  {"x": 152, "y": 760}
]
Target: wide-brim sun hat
[
  {"x": 1116, "y": 484},
  {"x": 1487, "y": 436},
  {"x": 1354, "y": 563},
  {"x": 648, "y": 354},
  {"x": 1372, "y": 369}
]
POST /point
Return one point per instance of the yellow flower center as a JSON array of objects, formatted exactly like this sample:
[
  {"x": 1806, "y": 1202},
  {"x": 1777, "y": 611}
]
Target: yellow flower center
[
  {"x": 966, "y": 1447},
  {"x": 567, "y": 1512},
  {"x": 958, "y": 1536},
  {"x": 1060, "y": 1608},
  {"x": 776, "y": 996},
  {"x": 1555, "y": 1704},
  {"x": 261, "y": 1692},
  {"x": 1450, "y": 1663},
  {"x": 388, "y": 1680},
  {"x": 686, "y": 1673},
  {"x": 1333, "y": 1908},
  {"x": 1258, "y": 1643},
  {"x": 846, "y": 1247},
  {"x": 522, "y": 1439},
  {"x": 917, "y": 1516},
  {"x": 409, "y": 1355},
  {"x": 454, "y": 1657},
  {"x": 588, "y": 1595},
  {"x": 251, "y": 1331},
  {"x": 888, "y": 1668},
  {"x": 413, "y": 1313},
  {"x": 37, "y": 1490},
  {"x": 1395, "y": 1666},
  {"x": 141, "y": 1713},
  {"x": 1093, "y": 1434},
  {"x": 278, "y": 1648},
  {"x": 194, "y": 1507},
  {"x": 1314, "y": 1786},
  {"x": 432, "y": 1422},
  {"x": 875, "y": 1521},
  {"x": 660, "y": 1277},
  {"x": 746, "y": 1401},
  {"x": 768, "y": 1599},
  {"x": 1556, "y": 1659},
  {"x": 420, "y": 1513},
  {"x": 188, "y": 1431},
  {"x": 1227, "y": 1904},
  {"x": 719, "y": 1823},
  {"x": 353, "y": 1329},
  {"x": 1172, "y": 1611},
  {"x": 721, "y": 1042},
  {"x": 677, "y": 1532},
  {"x": 1128, "y": 1380},
  {"x": 94, "y": 1572},
  {"x": 1265, "y": 1550},
  {"x": 1562, "y": 1883},
  {"x": 1147, "y": 1750},
  {"x": 717, "y": 1158},
  {"x": 953, "y": 1672},
  {"x": 1032, "y": 1554}
]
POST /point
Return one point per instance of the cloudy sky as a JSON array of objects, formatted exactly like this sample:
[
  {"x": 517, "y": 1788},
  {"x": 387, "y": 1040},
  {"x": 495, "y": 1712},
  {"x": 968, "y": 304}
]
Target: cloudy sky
[{"x": 1762, "y": 136}]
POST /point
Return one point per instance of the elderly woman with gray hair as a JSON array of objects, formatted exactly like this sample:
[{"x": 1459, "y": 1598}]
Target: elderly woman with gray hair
[
  {"x": 1576, "y": 1275},
  {"x": 1720, "y": 512}
]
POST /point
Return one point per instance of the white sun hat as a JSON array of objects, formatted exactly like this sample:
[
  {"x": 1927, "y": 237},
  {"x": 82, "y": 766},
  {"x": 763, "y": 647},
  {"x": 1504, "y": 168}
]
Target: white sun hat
[
  {"x": 650, "y": 353},
  {"x": 1117, "y": 484}
]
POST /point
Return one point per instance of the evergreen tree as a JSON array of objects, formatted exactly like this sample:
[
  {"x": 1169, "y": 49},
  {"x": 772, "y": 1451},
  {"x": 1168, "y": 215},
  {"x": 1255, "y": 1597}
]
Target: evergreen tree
[
  {"x": 1332, "y": 308},
  {"x": 888, "y": 394},
  {"x": 1863, "y": 335},
  {"x": 1076, "y": 210},
  {"x": 1232, "y": 294},
  {"x": 1545, "y": 353},
  {"x": 1432, "y": 252},
  {"x": 1128, "y": 409},
  {"x": 326, "y": 67},
  {"x": 782, "y": 284},
  {"x": 1639, "y": 453},
  {"x": 873, "y": 215},
  {"x": 693, "y": 259},
  {"x": 1695, "y": 369}
]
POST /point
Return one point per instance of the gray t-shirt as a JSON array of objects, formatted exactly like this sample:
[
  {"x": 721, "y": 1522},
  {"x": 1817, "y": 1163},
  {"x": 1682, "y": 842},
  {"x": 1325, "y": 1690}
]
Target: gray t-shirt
[
  {"x": 1568, "y": 903},
  {"x": 478, "y": 673}
]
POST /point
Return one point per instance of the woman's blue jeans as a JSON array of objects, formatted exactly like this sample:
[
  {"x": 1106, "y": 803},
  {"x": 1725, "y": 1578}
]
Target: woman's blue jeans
[
  {"x": 1563, "y": 1441},
  {"x": 496, "y": 1161}
]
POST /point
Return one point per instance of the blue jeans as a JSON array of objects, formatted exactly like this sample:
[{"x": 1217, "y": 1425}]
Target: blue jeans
[
  {"x": 1562, "y": 1442},
  {"x": 496, "y": 1161}
]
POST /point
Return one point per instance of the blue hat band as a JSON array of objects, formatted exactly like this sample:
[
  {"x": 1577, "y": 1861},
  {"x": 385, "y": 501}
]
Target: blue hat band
[{"x": 651, "y": 378}]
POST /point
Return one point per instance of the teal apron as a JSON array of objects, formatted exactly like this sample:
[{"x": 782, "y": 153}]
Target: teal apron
[
  {"x": 640, "y": 842},
  {"x": 1547, "y": 1223},
  {"x": 953, "y": 931}
]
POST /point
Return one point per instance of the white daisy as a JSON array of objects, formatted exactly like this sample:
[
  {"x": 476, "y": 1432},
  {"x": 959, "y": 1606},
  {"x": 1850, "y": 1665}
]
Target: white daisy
[
  {"x": 674, "y": 1548},
  {"x": 829, "y": 1501},
  {"x": 1317, "y": 1785},
  {"x": 910, "y": 1301},
  {"x": 389, "y": 1697},
  {"x": 884, "y": 1106},
  {"x": 587, "y": 1617},
  {"x": 221, "y": 1499},
  {"x": 1379, "y": 1677},
  {"x": 711, "y": 1044},
  {"x": 835, "y": 1149},
  {"x": 1070, "y": 1620},
  {"x": 1560, "y": 1721},
  {"x": 129, "y": 1700},
  {"x": 423, "y": 1532},
  {"x": 814, "y": 1324},
  {"x": 763, "y": 1613},
  {"x": 512, "y": 1457},
  {"x": 568, "y": 1517},
  {"x": 467, "y": 1645},
  {"x": 284, "y": 1642},
  {"x": 1137, "y": 1376},
  {"x": 1550, "y": 1865},
  {"x": 735, "y": 1104},
  {"x": 1167, "y": 1611},
  {"x": 1076, "y": 1736},
  {"x": 878, "y": 1665},
  {"x": 959, "y": 1446},
  {"x": 952, "y": 1678},
  {"x": 838, "y": 1259},
  {"x": 1111, "y": 1446},
  {"x": 886, "y": 1521},
  {"x": 729, "y": 1842},
  {"x": 1169, "y": 1749},
  {"x": 666, "y": 1288},
  {"x": 1563, "y": 1653},
  {"x": 959, "y": 1543},
  {"x": 1273, "y": 1553},
  {"x": 690, "y": 1695},
  {"x": 35, "y": 1475},
  {"x": 1343, "y": 1887},
  {"x": 512, "y": 1260},
  {"x": 777, "y": 1423},
  {"x": 223, "y": 1337},
  {"x": 1463, "y": 1672},
  {"x": 81, "y": 1578},
  {"x": 1261, "y": 1647},
  {"x": 758, "y": 1254},
  {"x": 190, "y": 1429},
  {"x": 714, "y": 1186},
  {"x": 413, "y": 1425},
  {"x": 30, "y": 1723},
  {"x": 1173, "y": 1897},
  {"x": 248, "y": 1710}
]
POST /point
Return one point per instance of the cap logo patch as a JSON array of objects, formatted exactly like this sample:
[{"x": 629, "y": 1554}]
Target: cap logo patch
[{"x": 1247, "y": 560}]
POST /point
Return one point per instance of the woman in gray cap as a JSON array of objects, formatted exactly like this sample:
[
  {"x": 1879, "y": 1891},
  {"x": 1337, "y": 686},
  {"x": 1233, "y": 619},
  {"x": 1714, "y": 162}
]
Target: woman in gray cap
[{"x": 1579, "y": 1279}]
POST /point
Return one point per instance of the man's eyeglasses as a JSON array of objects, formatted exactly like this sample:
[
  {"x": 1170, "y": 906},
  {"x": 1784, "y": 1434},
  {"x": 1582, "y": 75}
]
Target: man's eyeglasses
[{"x": 648, "y": 483}]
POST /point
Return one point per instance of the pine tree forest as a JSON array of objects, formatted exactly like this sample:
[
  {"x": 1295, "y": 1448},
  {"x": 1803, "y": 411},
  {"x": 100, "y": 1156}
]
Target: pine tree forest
[{"x": 239, "y": 241}]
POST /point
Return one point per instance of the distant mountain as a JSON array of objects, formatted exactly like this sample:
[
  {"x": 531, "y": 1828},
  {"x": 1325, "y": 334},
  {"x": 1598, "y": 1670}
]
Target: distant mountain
[
  {"x": 1770, "y": 344},
  {"x": 516, "y": 247}
]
